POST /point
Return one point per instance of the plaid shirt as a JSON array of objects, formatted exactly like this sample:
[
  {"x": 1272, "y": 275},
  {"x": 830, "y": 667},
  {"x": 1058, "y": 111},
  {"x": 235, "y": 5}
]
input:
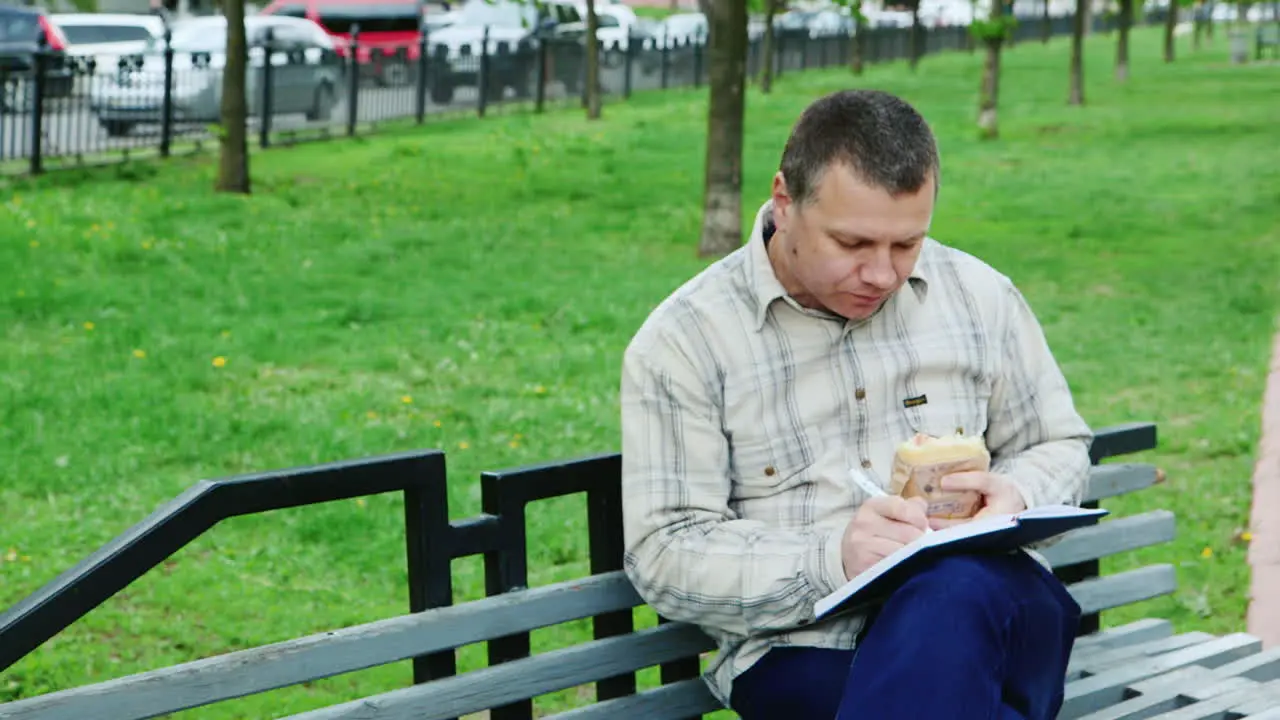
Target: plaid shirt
[{"x": 743, "y": 414}]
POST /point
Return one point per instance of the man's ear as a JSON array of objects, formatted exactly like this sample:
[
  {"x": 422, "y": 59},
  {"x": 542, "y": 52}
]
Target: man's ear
[{"x": 781, "y": 199}]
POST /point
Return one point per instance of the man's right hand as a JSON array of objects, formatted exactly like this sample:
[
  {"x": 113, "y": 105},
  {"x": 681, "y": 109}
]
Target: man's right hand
[{"x": 880, "y": 527}]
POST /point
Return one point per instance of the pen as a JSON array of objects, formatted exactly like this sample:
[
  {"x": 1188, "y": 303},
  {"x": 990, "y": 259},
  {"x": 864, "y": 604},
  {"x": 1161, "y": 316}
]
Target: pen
[{"x": 873, "y": 489}]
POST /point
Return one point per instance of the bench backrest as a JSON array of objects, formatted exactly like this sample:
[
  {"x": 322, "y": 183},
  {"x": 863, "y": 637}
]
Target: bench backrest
[{"x": 505, "y": 619}]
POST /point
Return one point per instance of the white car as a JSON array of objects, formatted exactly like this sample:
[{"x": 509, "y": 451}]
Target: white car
[
  {"x": 681, "y": 29},
  {"x": 615, "y": 25},
  {"x": 306, "y": 74},
  {"x": 104, "y": 38}
]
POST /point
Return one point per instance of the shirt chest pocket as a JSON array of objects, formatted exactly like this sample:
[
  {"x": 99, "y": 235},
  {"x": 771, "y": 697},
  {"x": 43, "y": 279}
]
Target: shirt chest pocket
[
  {"x": 761, "y": 466},
  {"x": 946, "y": 400}
]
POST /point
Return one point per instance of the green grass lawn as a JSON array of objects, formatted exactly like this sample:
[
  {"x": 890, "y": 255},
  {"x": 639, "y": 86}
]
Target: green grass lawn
[{"x": 471, "y": 285}]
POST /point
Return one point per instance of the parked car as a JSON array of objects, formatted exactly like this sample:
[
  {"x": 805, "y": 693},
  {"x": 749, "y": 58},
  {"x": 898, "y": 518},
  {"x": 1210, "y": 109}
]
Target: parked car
[
  {"x": 97, "y": 41},
  {"x": 616, "y": 24},
  {"x": 305, "y": 70},
  {"x": 517, "y": 25},
  {"x": 389, "y": 31},
  {"x": 681, "y": 29},
  {"x": 24, "y": 31}
]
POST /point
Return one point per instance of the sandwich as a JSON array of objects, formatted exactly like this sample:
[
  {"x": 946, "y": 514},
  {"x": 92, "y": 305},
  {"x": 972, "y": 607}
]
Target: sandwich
[{"x": 920, "y": 463}]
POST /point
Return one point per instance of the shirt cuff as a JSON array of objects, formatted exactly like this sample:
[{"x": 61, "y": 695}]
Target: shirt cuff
[
  {"x": 826, "y": 564},
  {"x": 1030, "y": 497}
]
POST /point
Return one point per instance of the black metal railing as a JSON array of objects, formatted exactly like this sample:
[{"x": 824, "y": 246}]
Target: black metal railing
[
  {"x": 65, "y": 114},
  {"x": 433, "y": 541}
]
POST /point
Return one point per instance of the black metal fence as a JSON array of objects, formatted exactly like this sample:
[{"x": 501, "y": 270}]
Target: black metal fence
[{"x": 68, "y": 114}]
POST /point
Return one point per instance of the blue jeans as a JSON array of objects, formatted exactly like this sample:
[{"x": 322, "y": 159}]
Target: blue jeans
[{"x": 982, "y": 637}]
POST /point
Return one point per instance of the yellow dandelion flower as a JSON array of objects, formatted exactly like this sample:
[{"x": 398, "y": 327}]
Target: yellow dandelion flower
[
  {"x": 406, "y": 399},
  {"x": 514, "y": 444},
  {"x": 361, "y": 502},
  {"x": 89, "y": 326},
  {"x": 11, "y": 555},
  {"x": 219, "y": 362},
  {"x": 1246, "y": 536},
  {"x": 1206, "y": 553},
  {"x": 436, "y": 423},
  {"x": 464, "y": 445},
  {"x": 540, "y": 390},
  {"x": 140, "y": 354}
]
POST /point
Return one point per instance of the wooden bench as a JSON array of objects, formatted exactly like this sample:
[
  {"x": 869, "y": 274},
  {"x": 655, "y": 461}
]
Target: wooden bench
[{"x": 1136, "y": 670}]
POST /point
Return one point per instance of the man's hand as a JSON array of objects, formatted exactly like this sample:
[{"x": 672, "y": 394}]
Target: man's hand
[
  {"x": 999, "y": 495},
  {"x": 881, "y": 526}
]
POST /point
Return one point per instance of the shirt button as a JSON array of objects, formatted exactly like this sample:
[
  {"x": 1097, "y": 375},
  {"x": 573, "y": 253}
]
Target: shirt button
[
  {"x": 770, "y": 471},
  {"x": 860, "y": 393},
  {"x": 866, "y": 463}
]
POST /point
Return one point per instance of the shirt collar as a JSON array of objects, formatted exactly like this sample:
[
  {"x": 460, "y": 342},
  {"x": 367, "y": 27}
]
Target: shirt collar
[{"x": 763, "y": 283}]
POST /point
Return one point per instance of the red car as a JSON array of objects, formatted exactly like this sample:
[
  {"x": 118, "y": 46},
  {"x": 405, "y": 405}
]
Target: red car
[{"x": 389, "y": 31}]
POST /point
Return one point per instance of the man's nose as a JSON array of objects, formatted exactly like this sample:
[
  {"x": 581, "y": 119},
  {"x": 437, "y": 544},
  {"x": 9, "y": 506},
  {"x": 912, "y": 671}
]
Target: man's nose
[{"x": 879, "y": 274}]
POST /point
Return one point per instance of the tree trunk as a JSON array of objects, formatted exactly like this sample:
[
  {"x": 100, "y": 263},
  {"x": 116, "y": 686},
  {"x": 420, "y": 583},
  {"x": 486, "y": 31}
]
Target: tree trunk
[
  {"x": 722, "y": 200},
  {"x": 916, "y": 36},
  {"x": 1077, "y": 54},
  {"x": 988, "y": 107},
  {"x": 593, "y": 62},
  {"x": 770, "y": 47},
  {"x": 1046, "y": 24},
  {"x": 233, "y": 160},
  {"x": 857, "y": 58},
  {"x": 1122, "y": 41},
  {"x": 1198, "y": 12},
  {"x": 1170, "y": 22}
]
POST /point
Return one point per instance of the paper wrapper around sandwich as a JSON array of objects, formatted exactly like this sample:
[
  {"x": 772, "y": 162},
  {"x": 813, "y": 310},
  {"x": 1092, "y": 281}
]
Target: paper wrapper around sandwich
[{"x": 920, "y": 463}]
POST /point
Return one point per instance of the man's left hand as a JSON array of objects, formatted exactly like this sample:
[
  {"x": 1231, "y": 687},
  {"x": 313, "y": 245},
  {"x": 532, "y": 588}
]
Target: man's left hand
[{"x": 999, "y": 495}]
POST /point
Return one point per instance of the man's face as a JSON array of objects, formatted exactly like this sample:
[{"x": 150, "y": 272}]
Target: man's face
[{"x": 852, "y": 245}]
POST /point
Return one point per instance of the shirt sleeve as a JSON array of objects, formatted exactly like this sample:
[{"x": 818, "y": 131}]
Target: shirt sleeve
[
  {"x": 1035, "y": 435},
  {"x": 688, "y": 554}
]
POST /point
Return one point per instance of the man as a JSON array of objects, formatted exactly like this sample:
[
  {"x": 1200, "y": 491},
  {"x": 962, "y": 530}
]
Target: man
[{"x": 752, "y": 393}]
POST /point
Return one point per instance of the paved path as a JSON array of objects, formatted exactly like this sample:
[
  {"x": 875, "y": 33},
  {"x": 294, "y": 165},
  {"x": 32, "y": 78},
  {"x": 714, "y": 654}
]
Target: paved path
[{"x": 1264, "y": 549}]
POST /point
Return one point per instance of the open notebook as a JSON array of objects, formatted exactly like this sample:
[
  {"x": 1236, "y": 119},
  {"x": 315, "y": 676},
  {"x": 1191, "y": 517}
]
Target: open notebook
[{"x": 996, "y": 533}]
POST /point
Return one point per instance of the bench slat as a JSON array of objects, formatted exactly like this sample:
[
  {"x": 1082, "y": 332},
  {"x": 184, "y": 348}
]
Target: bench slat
[
  {"x": 1138, "y": 631},
  {"x": 528, "y": 677},
  {"x": 1115, "y": 479},
  {"x": 1253, "y": 708},
  {"x": 1260, "y": 667},
  {"x": 1271, "y": 714},
  {"x": 1123, "y": 588},
  {"x": 686, "y": 698},
  {"x": 1108, "y": 688},
  {"x": 1111, "y": 537},
  {"x": 1084, "y": 664},
  {"x": 1164, "y": 693},
  {"x": 245, "y": 672},
  {"x": 1217, "y": 706}
]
